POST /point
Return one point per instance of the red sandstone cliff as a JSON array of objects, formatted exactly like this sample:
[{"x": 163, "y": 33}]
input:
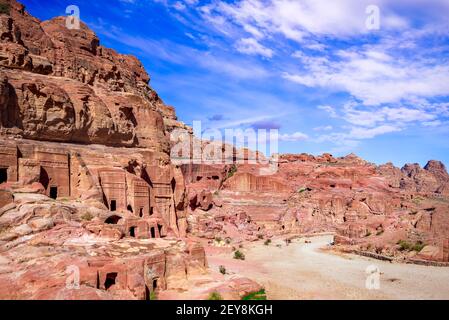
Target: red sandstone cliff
[{"x": 86, "y": 180}]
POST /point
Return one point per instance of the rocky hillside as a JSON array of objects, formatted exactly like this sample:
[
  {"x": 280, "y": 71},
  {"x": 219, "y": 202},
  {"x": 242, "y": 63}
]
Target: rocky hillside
[{"x": 92, "y": 206}]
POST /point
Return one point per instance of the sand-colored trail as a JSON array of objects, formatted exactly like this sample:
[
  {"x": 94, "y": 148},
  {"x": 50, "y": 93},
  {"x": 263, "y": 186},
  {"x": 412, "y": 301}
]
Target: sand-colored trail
[{"x": 303, "y": 271}]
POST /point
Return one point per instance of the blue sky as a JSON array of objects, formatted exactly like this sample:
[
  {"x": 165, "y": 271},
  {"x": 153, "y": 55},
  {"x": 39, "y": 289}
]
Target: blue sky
[{"x": 311, "y": 68}]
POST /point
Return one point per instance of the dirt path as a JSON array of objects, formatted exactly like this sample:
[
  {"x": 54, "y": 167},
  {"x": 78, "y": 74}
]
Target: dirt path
[{"x": 303, "y": 271}]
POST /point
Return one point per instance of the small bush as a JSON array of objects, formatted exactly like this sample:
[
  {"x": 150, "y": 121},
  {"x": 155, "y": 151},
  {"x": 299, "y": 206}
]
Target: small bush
[
  {"x": 368, "y": 234},
  {"x": 418, "y": 246},
  {"x": 267, "y": 242},
  {"x": 222, "y": 269},
  {"x": 239, "y": 255},
  {"x": 215, "y": 296},
  {"x": 87, "y": 216},
  {"x": 260, "y": 236},
  {"x": 407, "y": 246},
  {"x": 231, "y": 171},
  {"x": 259, "y": 295},
  {"x": 4, "y": 8},
  {"x": 153, "y": 295},
  {"x": 218, "y": 239},
  {"x": 404, "y": 245},
  {"x": 228, "y": 240}
]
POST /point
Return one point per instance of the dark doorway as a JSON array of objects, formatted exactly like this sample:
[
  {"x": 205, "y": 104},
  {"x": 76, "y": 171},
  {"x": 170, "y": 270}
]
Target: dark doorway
[
  {"x": 147, "y": 293},
  {"x": 110, "y": 280},
  {"x": 141, "y": 212},
  {"x": 151, "y": 211},
  {"x": 132, "y": 232},
  {"x": 113, "y": 205},
  {"x": 159, "y": 227},
  {"x": 130, "y": 208},
  {"x": 44, "y": 179},
  {"x": 3, "y": 175},
  {"x": 153, "y": 232},
  {"x": 154, "y": 284},
  {"x": 112, "y": 219},
  {"x": 54, "y": 192}
]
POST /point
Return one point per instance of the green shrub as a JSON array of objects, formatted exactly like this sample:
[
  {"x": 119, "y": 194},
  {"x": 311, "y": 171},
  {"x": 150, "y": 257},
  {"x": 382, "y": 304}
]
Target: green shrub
[
  {"x": 267, "y": 242},
  {"x": 215, "y": 296},
  {"x": 228, "y": 240},
  {"x": 407, "y": 246},
  {"x": 153, "y": 295},
  {"x": 87, "y": 216},
  {"x": 259, "y": 295},
  {"x": 222, "y": 269},
  {"x": 404, "y": 245},
  {"x": 218, "y": 239},
  {"x": 4, "y": 8},
  {"x": 231, "y": 171},
  {"x": 418, "y": 246},
  {"x": 239, "y": 255},
  {"x": 260, "y": 236}
]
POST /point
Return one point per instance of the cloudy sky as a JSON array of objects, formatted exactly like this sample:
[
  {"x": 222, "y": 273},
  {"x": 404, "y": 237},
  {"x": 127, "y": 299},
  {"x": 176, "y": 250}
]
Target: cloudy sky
[{"x": 327, "y": 74}]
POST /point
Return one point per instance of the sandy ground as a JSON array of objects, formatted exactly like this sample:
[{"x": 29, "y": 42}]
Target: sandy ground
[{"x": 304, "y": 271}]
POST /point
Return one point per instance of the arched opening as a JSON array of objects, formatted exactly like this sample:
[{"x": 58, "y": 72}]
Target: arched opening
[
  {"x": 173, "y": 185},
  {"x": 113, "y": 206},
  {"x": 110, "y": 280},
  {"x": 113, "y": 219},
  {"x": 147, "y": 293},
  {"x": 159, "y": 227},
  {"x": 130, "y": 208},
  {"x": 43, "y": 178},
  {"x": 54, "y": 192},
  {"x": 151, "y": 211},
  {"x": 198, "y": 178},
  {"x": 3, "y": 175},
  {"x": 152, "y": 232},
  {"x": 141, "y": 212},
  {"x": 155, "y": 283},
  {"x": 132, "y": 232}
]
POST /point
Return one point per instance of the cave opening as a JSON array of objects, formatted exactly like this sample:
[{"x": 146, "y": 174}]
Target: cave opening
[
  {"x": 113, "y": 219},
  {"x": 153, "y": 232},
  {"x": 110, "y": 280},
  {"x": 132, "y": 232},
  {"x": 113, "y": 206},
  {"x": 3, "y": 175},
  {"x": 54, "y": 192}
]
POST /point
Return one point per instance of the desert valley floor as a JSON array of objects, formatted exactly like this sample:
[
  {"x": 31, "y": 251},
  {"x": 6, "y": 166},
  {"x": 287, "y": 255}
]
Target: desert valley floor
[{"x": 311, "y": 271}]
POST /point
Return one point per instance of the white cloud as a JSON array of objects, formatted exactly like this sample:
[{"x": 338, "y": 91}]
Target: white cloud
[
  {"x": 252, "y": 47},
  {"x": 368, "y": 133},
  {"x": 298, "y": 19},
  {"x": 330, "y": 110},
  {"x": 374, "y": 77},
  {"x": 297, "y": 136}
]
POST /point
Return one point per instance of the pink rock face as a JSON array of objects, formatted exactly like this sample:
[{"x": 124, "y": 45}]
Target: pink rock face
[
  {"x": 88, "y": 190},
  {"x": 363, "y": 203}
]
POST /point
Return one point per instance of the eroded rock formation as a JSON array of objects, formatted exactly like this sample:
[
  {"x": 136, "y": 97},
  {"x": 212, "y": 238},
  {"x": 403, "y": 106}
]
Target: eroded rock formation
[{"x": 88, "y": 194}]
